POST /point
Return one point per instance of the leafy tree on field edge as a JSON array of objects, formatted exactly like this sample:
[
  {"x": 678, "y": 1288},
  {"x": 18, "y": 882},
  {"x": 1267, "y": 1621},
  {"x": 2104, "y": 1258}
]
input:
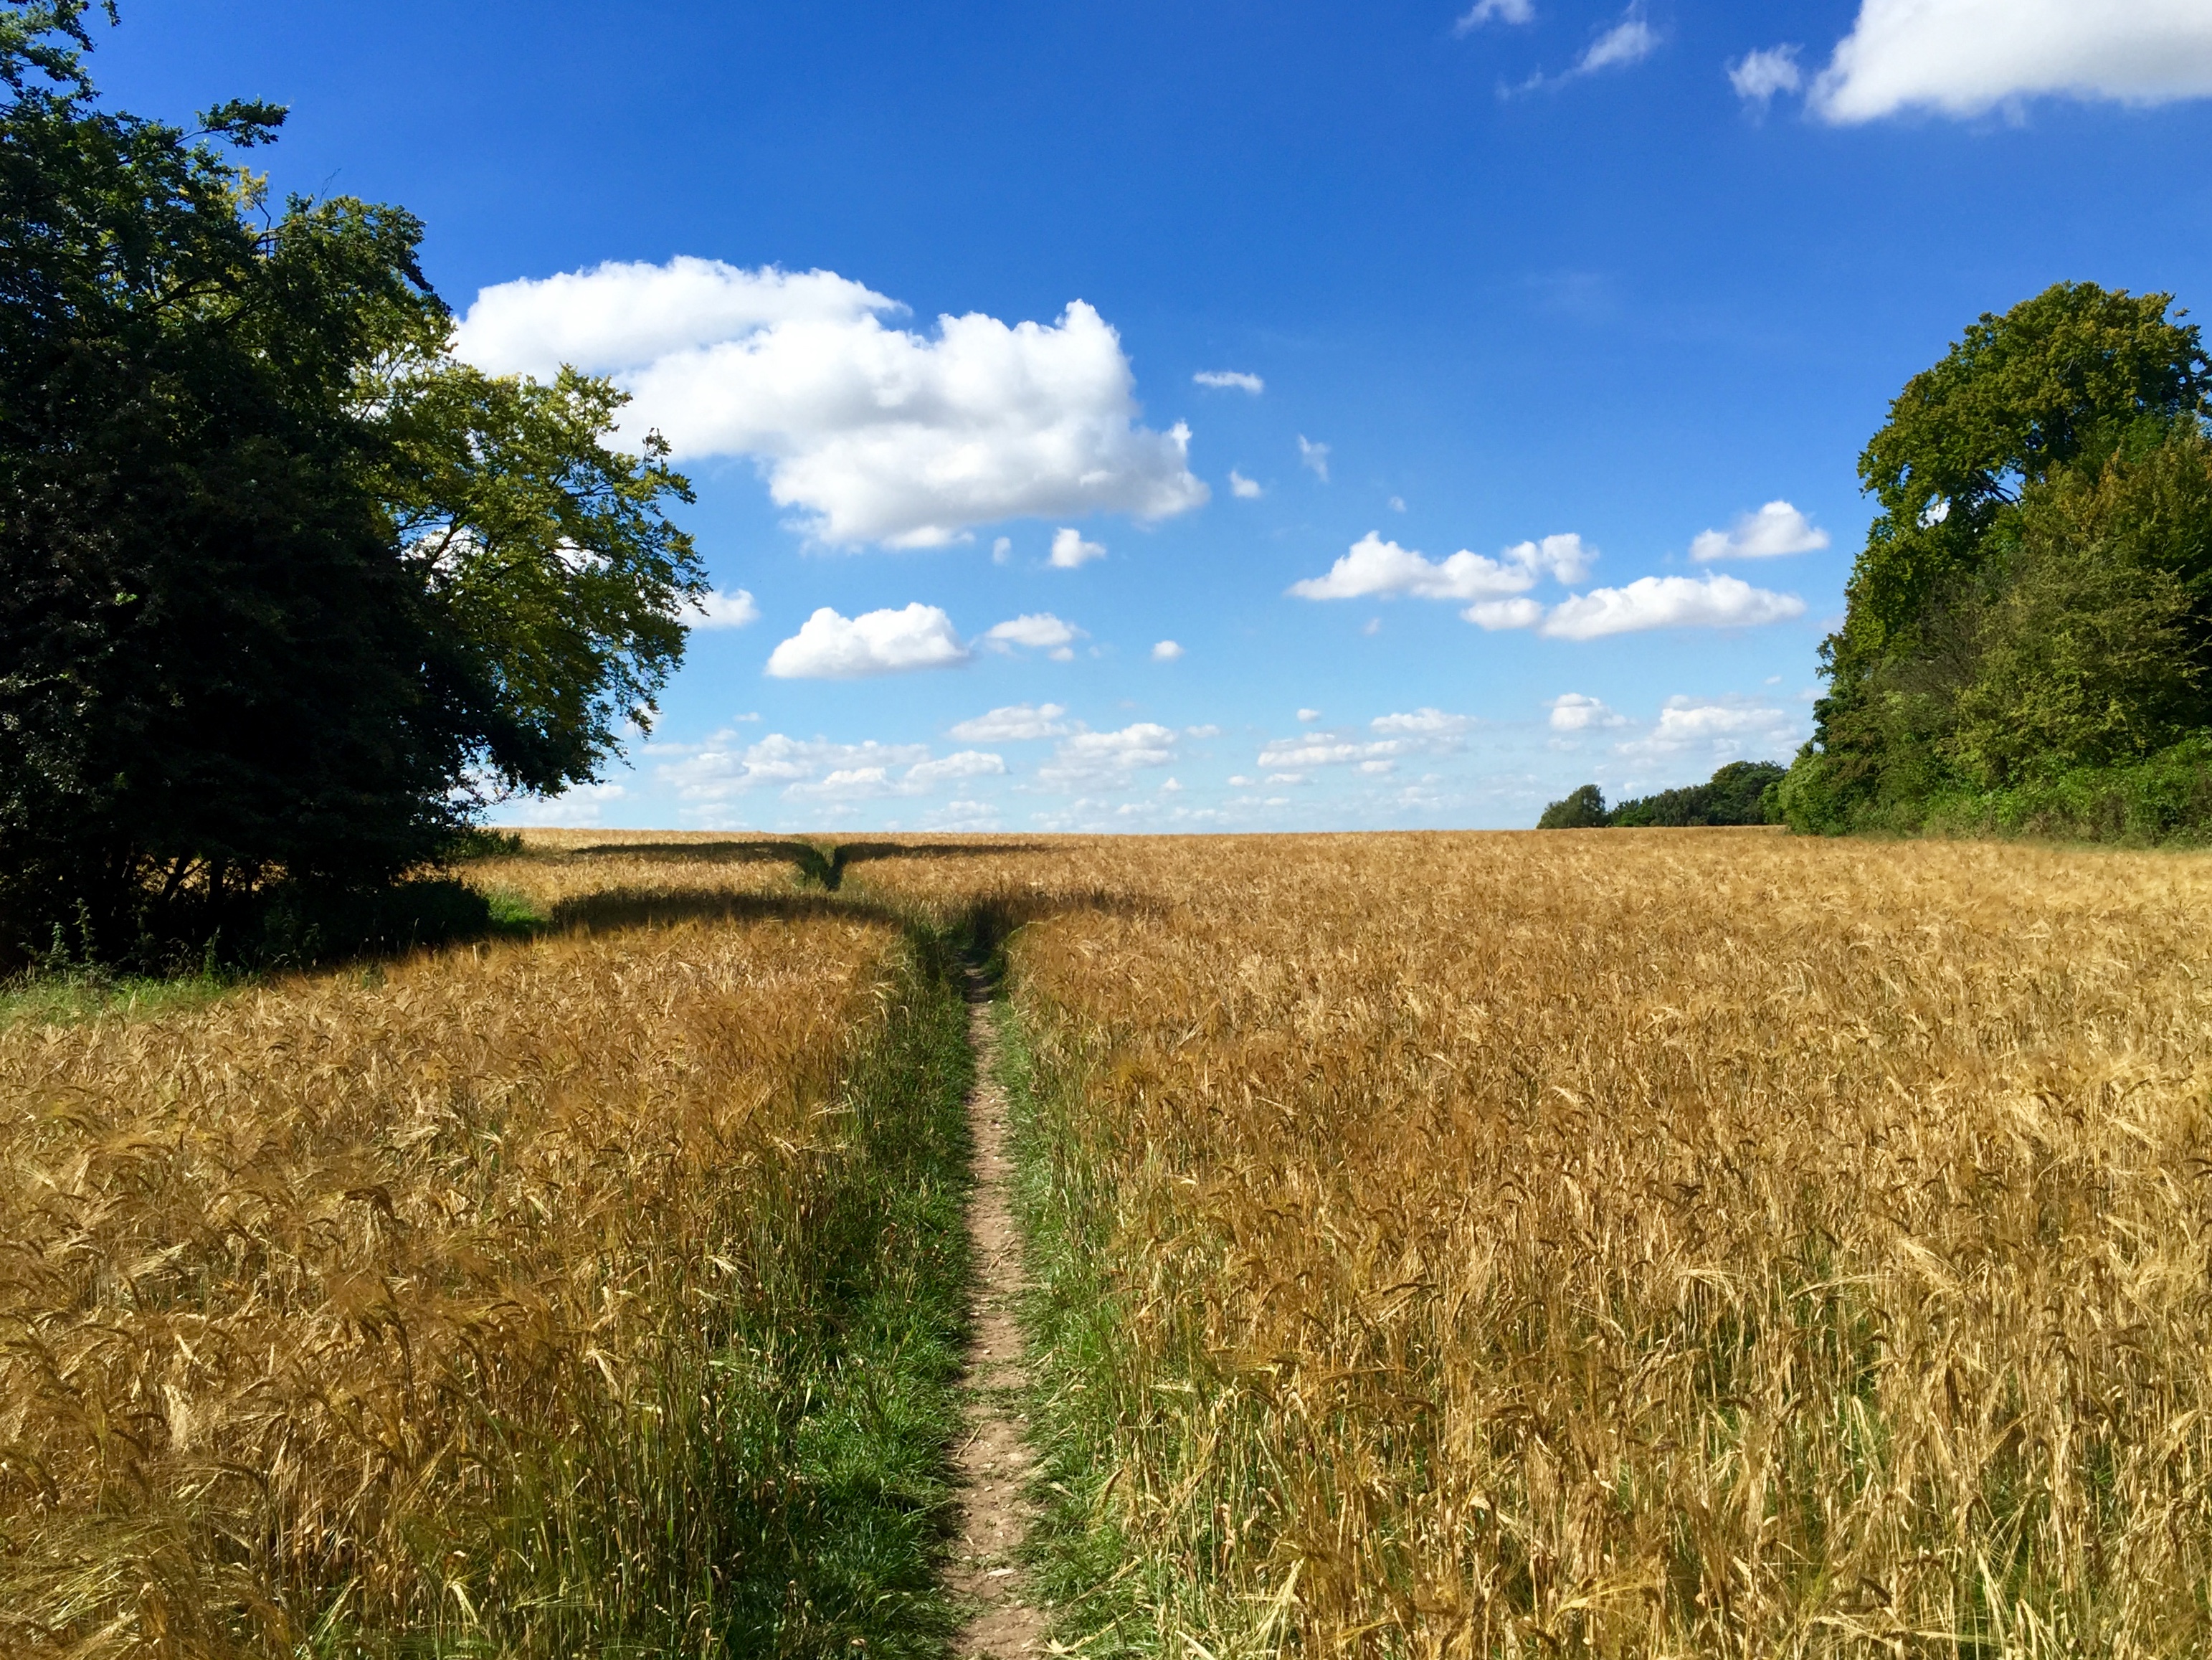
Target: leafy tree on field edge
[
  {"x": 1579, "y": 809},
  {"x": 286, "y": 592},
  {"x": 2024, "y": 643}
]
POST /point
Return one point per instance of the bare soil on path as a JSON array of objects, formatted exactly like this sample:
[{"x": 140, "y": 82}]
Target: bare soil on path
[{"x": 993, "y": 1459}]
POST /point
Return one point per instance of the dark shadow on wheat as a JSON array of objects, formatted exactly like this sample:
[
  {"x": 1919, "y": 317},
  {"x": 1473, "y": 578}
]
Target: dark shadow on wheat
[
  {"x": 646, "y": 908},
  {"x": 816, "y": 861}
]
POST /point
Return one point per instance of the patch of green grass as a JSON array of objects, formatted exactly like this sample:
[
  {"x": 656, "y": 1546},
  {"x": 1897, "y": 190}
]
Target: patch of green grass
[
  {"x": 65, "y": 999},
  {"x": 1099, "y": 1587},
  {"x": 513, "y": 915}
]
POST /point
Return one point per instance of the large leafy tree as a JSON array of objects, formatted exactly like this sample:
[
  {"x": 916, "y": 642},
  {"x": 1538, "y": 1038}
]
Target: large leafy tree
[
  {"x": 285, "y": 592},
  {"x": 2056, "y": 384},
  {"x": 2071, "y": 393}
]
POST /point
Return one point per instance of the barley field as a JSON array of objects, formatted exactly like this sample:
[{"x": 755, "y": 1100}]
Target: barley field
[
  {"x": 519, "y": 1297},
  {"x": 1670, "y": 1243},
  {"x": 1655, "y": 1243}
]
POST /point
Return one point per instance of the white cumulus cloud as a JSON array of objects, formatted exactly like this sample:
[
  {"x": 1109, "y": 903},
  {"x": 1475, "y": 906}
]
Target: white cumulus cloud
[
  {"x": 818, "y": 771},
  {"x": 1165, "y": 651},
  {"x": 1668, "y": 602},
  {"x": 1040, "y": 629},
  {"x": 1777, "y": 528},
  {"x": 1424, "y": 722},
  {"x": 874, "y": 782},
  {"x": 847, "y": 784},
  {"x": 1572, "y": 712},
  {"x": 1719, "y": 729},
  {"x": 1315, "y": 457},
  {"x": 1227, "y": 378},
  {"x": 1374, "y": 566},
  {"x": 871, "y": 432},
  {"x": 1962, "y": 57},
  {"x": 829, "y": 647},
  {"x": 1290, "y": 753},
  {"x": 1495, "y": 614},
  {"x": 1096, "y": 759},
  {"x": 618, "y": 316},
  {"x": 963, "y": 764},
  {"x": 1309, "y": 715},
  {"x": 1416, "y": 732},
  {"x": 1069, "y": 550},
  {"x": 722, "y": 767},
  {"x": 1244, "y": 489},
  {"x": 1013, "y": 722},
  {"x": 732, "y": 609}
]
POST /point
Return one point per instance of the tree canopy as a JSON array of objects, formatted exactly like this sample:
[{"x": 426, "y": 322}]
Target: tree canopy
[
  {"x": 285, "y": 591},
  {"x": 2034, "y": 599}
]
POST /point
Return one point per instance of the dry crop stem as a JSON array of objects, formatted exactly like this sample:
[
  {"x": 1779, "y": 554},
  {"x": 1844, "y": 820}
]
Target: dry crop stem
[
  {"x": 425, "y": 1305},
  {"x": 1631, "y": 1242}
]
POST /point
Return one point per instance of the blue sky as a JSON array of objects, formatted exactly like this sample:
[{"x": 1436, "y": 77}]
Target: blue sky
[{"x": 1542, "y": 293}]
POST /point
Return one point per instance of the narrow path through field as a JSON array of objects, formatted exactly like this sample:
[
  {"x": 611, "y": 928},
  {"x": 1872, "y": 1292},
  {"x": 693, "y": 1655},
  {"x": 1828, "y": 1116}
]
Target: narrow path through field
[{"x": 994, "y": 1460}]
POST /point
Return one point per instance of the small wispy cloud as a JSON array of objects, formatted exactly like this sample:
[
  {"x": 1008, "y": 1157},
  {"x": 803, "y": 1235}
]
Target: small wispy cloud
[
  {"x": 1314, "y": 458},
  {"x": 1225, "y": 380},
  {"x": 1495, "y": 11},
  {"x": 1629, "y": 41},
  {"x": 1760, "y": 77}
]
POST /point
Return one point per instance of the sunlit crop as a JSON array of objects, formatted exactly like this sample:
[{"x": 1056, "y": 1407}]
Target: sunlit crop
[
  {"x": 1634, "y": 1242},
  {"x": 401, "y": 1300},
  {"x": 1661, "y": 1243}
]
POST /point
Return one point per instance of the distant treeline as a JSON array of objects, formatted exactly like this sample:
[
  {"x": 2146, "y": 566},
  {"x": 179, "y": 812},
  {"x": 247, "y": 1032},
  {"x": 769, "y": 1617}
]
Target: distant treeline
[
  {"x": 1739, "y": 794},
  {"x": 2028, "y": 629}
]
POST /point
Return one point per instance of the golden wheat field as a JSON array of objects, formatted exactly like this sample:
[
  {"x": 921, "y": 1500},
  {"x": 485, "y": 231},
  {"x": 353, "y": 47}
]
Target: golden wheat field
[
  {"x": 1669, "y": 1243},
  {"x": 383, "y": 1301},
  {"x": 1624, "y": 1243}
]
